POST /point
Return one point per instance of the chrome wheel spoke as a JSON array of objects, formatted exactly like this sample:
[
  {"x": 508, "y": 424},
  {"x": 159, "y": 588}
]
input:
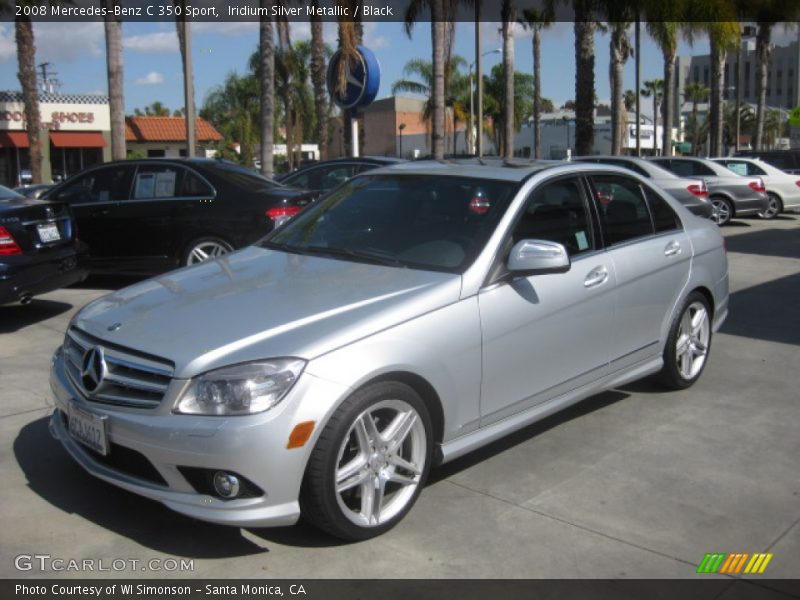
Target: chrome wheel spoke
[
  {"x": 370, "y": 430},
  {"x": 402, "y": 479},
  {"x": 401, "y": 463},
  {"x": 352, "y": 474},
  {"x": 686, "y": 364},
  {"x": 698, "y": 320},
  {"x": 198, "y": 255},
  {"x": 398, "y": 431},
  {"x": 362, "y": 434}
]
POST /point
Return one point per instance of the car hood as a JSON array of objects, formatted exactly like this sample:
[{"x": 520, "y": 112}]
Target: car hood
[{"x": 260, "y": 303}]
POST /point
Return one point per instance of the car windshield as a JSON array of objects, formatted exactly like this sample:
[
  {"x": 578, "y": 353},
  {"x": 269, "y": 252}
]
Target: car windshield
[
  {"x": 241, "y": 176},
  {"x": 429, "y": 222}
]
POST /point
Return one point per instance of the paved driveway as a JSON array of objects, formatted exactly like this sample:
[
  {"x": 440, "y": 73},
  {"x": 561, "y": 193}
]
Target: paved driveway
[{"x": 631, "y": 483}]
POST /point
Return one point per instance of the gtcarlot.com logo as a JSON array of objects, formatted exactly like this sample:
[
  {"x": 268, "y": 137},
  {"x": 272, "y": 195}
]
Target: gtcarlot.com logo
[{"x": 735, "y": 563}]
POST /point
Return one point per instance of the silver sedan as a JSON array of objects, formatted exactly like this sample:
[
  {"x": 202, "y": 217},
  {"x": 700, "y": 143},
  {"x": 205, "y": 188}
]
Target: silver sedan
[
  {"x": 783, "y": 189},
  {"x": 413, "y": 315}
]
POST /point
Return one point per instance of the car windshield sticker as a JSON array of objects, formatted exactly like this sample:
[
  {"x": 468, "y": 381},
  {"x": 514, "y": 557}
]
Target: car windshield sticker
[{"x": 145, "y": 185}]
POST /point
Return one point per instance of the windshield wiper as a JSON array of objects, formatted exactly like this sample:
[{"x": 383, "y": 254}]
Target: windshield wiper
[
  {"x": 354, "y": 255},
  {"x": 283, "y": 247}
]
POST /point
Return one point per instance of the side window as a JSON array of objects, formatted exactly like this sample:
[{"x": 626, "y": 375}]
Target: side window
[
  {"x": 664, "y": 218},
  {"x": 679, "y": 167},
  {"x": 156, "y": 181},
  {"x": 701, "y": 169},
  {"x": 194, "y": 186},
  {"x": 307, "y": 180},
  {"x": 740, "y": 168},
  {"x": 623, "y": 211},
  {"x": 558, "y": 212},
  {"x": 335, "y": 176},
  {"x": 630, "y": 166},
  {"x": 109, "y": 184}
]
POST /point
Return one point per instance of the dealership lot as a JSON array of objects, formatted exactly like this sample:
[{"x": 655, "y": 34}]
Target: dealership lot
[{"x": 631, "y": 483}]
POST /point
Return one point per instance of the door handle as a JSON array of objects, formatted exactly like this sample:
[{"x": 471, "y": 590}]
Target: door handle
[
  {"x": 595, "y": 277},
  {"x": 672, "y": 248}
]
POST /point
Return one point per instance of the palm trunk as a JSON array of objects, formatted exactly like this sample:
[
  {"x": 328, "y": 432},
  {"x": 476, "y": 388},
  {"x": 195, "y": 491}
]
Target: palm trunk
[
  {"x": 655, "y": 122},
  {"x": 668, "y": 105},
  {"x": 267, "y": 48},
  {"x": 507, "y": 12},
  {"x": 616, "y": 68},
  {"x": 437, "y": 41},
  {"x": 318, "y": 79},
  {"x": 584, "y": 79},
  {"x": 696, "y": 132},
  {"x": 537, "y": 93},
  {"x": 115, "y": 83},
  {"x": 26, "y": 58},
  {"x": 763, "y": 52},
  {"x": 718, "y": 55}
]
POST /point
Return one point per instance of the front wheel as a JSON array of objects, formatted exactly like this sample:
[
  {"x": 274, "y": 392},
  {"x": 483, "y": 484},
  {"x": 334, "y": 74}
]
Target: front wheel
[
  {"x": 370, "y": 462},
  {"x": 688, "y": 344},
  {"x": 774, "y": 207},
  {"x": 722, "y": 210},
  {"x": 205, "y": 248}
]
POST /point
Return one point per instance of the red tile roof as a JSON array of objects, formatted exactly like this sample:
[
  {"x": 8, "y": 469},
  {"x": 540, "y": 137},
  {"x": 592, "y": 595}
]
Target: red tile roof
[{"x": 167, "y": 129}]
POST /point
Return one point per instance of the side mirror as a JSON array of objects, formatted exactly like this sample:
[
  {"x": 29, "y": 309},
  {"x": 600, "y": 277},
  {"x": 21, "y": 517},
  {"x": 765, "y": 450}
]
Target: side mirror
[{"x": 538, "y": 257}]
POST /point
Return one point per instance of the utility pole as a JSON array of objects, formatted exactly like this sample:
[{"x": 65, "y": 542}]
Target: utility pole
[{"x": 479, "y": 77}]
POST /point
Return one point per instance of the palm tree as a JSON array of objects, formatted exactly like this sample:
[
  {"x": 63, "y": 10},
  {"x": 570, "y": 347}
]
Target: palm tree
[
  {"x": 184, "y": 41},
  {"x": 621, "y": 50},
  {"x": 654, "y": 89},
  {"x": 233, "y": 108},
  {"x": 723, "y": 36},
  {"x": 664, "y": 29},
  {"x": 772, "y": 127},
  {"x": 26, "y": 59},
  {"x": 495, "y": 102},
  {"x": 266, "y": 76},
  {"x": 318, "y": 78},
  {"x": 584, "y": 76},
  {"x": 629, "y": 100},
  {"x": 437, "y": 89},
  {"x": 536, "y": 20},
  {"x": 116, "y": 97},
  {"x": 695, "y": 93},
  {"x": 507, "y": 16}
]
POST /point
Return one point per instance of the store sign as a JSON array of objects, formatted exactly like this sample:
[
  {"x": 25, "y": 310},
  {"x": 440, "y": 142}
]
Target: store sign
[{"x": 67, "y": 117}]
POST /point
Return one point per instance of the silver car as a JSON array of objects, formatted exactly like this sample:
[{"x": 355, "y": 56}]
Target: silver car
[
  {"x": 731, "y": 195},
  {"x": 783, "y": 189},
  {"x": 692, "y": 193},
  {"x": 412, "y": 315}
]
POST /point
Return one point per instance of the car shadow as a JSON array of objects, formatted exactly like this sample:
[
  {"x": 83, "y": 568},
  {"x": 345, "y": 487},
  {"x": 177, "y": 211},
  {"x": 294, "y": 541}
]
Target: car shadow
[
  {"x": 736, "y": 223},
  {"x": 766, "y": 242},
  {"x": 55, "y": 477},
  {"x": 16, "y": 316}
]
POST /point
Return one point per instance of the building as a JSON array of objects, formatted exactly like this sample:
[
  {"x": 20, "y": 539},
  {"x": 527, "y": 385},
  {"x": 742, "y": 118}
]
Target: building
[
  {"x": 165, "y": 137},
  {"x": 75, "y": 134}
]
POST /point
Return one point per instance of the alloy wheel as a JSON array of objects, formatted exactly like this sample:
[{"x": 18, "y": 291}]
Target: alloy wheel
[{"x": 694, "y": 334}]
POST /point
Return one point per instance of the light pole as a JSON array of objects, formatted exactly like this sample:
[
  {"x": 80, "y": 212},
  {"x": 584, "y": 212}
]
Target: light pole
[
  {"x": 568, "y": 153},
  {"x": 748, "y": 31},
  {"x": 400, "y": 128},
  {"x": 480, "y": 99}
]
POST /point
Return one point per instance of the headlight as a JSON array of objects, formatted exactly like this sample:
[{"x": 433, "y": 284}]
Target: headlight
[{"x": 242, "y": 389}]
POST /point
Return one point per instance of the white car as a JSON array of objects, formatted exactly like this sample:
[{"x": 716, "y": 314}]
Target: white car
[{"x": 783, "y": 188}]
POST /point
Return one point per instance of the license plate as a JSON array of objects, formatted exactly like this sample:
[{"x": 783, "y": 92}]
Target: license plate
[
  {"x": 48, "y": 233},
  {"x": 88, "y": 428}
]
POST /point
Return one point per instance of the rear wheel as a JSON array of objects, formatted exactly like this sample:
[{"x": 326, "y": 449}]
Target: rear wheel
[
  {"x": 722, "y": 210},
  {"x": 688, "y": 344},
  {"x": 370, "y": 462},
  {"x": 205, "y": 248},
  {"x": 774, "y": 207}
]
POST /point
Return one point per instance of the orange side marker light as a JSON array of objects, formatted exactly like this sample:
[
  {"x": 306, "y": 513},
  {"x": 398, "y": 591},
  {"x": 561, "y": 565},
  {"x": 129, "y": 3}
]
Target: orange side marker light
[{"x": 300, "y": 434}]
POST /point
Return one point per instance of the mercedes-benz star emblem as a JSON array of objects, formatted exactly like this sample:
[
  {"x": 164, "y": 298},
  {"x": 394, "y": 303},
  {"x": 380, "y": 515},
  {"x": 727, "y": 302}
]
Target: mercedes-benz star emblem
[{"x": 93, "y": 369}]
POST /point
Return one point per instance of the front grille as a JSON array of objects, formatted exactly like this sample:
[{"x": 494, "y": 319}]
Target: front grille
[
  {"x": 123, "y": 460},
  {"x": 131, "y": 378}
]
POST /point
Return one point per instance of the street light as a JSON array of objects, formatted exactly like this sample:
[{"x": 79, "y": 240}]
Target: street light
[
  {"x": 471, "y": 93},
  {"x": 400, "y": 128}
]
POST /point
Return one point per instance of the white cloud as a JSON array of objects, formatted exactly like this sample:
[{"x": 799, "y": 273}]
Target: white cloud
[
  {"x": 152, "y": 78},
  {"x": 161, "y": 41},
  {"x": 372, "y": 40},
  {"x": 58, "y": 43},
  {"x": 8, "y": 47},
  {"x": 228, "y": 28}
]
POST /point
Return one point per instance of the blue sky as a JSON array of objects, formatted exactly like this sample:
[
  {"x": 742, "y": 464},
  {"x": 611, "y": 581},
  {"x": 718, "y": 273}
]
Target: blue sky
[{"x": 153, "y": 71}]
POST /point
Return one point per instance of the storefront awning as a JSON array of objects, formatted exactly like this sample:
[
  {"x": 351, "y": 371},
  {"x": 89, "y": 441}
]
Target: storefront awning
[
  {"x": 77, "y": 139},
  {"x": 14, "y": 139}
]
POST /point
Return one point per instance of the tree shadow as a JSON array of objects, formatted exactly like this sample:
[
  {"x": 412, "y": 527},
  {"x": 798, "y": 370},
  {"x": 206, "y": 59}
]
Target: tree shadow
[
  {"x": 766, "y": 311},
  {"x": 766, "y": 242},
  {"x": 55, "y": 477},
  {"x": 16, "y": 317}
]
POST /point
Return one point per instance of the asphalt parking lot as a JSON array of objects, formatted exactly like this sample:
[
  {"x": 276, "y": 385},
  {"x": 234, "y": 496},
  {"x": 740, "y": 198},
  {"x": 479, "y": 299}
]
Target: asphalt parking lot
[{"x": 633, "y": 483}]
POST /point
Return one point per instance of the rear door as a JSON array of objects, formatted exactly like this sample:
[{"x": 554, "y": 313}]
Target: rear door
[
  {"x": 651, "y": 255},
  {"x": 545, "y": 335}
]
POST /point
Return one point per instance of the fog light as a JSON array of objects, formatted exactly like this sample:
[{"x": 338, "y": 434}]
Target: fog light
[{"x": 226, "y": 485}]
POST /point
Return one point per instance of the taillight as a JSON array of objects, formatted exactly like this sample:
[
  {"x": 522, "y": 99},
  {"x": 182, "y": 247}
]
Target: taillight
[
  {"x": 797, "y": 183},
  {"x": 280, "y": 214},
  {"x": 699, "y": 190},
  {"x": 8, "y": 245},
  {"x": 757, "y": 186},
  {"x": 479, "y": 205}
]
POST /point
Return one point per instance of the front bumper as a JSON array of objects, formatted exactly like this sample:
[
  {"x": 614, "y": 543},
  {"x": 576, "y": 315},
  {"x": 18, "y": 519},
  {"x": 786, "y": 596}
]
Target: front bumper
[{"x": 252, "y": 446}]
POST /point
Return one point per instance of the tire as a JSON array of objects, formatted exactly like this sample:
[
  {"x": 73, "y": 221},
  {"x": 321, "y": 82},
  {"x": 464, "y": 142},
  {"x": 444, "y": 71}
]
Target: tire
[
  {"x": 688, "y": 344},
  {"x": 355, "y": 488},
  {"x": 774, "y": 207},
  {"x": 722, "y": 210},
  {"x": 204, "y": 248}
]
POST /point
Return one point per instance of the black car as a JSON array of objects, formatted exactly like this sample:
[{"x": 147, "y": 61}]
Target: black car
[
  {"x": 33, "y": 191},
  {"x": 326, "y": 175},
  {"x": 39, "y": 249},
  {"x": 149, "y": 216}
]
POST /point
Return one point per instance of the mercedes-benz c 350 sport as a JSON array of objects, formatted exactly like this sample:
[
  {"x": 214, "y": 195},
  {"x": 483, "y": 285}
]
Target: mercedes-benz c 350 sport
[{"x": 413, "y": 314}]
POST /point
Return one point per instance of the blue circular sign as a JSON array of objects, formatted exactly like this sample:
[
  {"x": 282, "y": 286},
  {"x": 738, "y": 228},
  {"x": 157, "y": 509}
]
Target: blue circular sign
[{"x": 363, "y": 79}]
